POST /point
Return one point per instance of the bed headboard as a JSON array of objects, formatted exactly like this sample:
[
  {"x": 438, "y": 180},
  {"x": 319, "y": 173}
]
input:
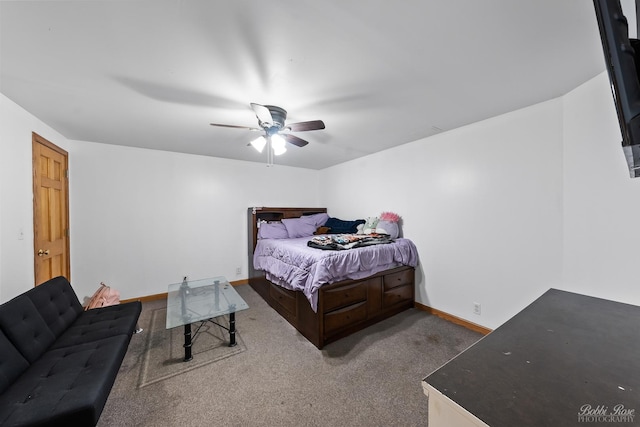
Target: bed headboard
[{"x": 256, "y": 214}]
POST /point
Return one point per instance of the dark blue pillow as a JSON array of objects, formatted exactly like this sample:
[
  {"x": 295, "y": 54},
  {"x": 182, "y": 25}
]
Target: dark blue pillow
[{"x": 338, "y": 226}]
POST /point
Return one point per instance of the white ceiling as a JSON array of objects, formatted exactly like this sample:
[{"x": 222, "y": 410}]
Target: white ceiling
[{"x": 379, "y": 73}]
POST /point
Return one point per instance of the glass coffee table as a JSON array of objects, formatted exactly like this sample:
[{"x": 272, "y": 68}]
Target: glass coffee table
[{"x": 193, "y": 301}]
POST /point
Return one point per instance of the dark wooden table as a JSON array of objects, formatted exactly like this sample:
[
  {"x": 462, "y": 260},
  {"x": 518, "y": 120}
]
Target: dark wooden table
[{"x": 566, "y": 359}]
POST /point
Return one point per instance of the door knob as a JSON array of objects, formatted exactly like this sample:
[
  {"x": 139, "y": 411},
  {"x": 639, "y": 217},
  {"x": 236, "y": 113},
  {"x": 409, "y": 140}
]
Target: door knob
[{"x": 42, "y": 253}]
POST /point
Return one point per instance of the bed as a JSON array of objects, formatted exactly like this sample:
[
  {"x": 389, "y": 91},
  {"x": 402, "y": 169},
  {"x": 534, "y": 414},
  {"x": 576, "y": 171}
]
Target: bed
[{"x": 327, "y": 304}]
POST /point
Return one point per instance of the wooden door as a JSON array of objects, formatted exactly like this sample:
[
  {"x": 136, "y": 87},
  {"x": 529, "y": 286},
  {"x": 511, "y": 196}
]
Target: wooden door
[{"x": 50, "y": 210}]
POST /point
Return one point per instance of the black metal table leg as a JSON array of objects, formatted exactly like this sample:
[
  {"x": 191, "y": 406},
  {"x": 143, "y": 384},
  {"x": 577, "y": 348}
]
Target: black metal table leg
[
  {"x": 232, "y": 329},
  {"x": 187, "y": 342}
]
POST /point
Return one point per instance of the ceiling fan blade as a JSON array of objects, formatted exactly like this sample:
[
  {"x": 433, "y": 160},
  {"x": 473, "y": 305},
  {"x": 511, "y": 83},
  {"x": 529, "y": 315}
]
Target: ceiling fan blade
[
  {"x": 292, "y": 139},
  {"x": 262, "y": 113},
  {"x": 304, "y": 126},
  {"x": 233, "y": 126}
]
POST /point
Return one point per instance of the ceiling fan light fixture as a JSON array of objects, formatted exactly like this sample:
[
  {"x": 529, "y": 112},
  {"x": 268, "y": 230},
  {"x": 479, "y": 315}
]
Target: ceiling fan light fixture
[
  {"x": 259, "y": 143},
  {"x": 271, "y": 120},
  {"x": 278, "y": 145}
]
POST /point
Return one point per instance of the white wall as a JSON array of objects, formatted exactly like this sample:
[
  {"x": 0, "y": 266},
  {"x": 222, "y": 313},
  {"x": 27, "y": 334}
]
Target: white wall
[
  {"x": 16, "y": 195},
  {"x": 142, "y": 219},
  {"x": 602, "y": 204},
  {"x": 482, "y": 203}
]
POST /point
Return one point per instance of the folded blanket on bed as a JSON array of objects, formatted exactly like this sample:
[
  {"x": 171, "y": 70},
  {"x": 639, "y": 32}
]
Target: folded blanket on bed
[{"x": 338, "y": 242}]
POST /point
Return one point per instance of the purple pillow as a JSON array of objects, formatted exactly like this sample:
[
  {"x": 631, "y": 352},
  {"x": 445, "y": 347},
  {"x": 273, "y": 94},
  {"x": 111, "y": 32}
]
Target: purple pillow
[
  {"x": 272, "y": 230},
  {"x": 300, "y": 227},
  {"x": 316, "y": 219}
]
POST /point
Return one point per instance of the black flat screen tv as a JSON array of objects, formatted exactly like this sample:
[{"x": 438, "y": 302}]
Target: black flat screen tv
[{"x": 622, "y": 58}]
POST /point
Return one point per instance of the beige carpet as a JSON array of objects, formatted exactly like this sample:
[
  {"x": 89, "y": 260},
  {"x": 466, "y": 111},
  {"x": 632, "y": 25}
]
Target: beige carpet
[
  {"x": 164, "y": 352},
  {"x": 369, "y": 379}
]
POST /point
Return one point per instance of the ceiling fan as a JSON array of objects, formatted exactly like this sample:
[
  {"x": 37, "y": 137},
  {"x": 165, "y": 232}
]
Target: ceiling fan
[{"x": 271, "y": 120}]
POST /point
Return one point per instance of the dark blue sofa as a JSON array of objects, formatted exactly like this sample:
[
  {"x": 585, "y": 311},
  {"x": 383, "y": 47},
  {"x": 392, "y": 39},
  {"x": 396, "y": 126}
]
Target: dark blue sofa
[{"x": 57, "y": 361}]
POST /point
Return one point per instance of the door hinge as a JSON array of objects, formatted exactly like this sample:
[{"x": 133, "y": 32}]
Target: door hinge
[
  {"x": 66, "y": 173},
  {"x": 66, "y": 232}
]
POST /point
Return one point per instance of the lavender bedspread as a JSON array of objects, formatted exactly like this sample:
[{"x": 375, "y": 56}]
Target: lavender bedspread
[{"x": 290, "y": 263}]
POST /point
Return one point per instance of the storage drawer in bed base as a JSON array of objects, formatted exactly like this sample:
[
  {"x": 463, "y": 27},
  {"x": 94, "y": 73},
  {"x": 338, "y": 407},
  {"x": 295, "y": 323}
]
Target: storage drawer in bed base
[
  {"x": 344, "y": 317},
  {"x": 343, "y": 308},
  {"x": 285, "y": 298},
  {"x": 397, "y": 295}
]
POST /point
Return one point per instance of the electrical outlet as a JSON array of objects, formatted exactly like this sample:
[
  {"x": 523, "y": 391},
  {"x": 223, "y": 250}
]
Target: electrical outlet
[
  {"x": 477, "y": 308},
  {"x": 238, "y": 271}
]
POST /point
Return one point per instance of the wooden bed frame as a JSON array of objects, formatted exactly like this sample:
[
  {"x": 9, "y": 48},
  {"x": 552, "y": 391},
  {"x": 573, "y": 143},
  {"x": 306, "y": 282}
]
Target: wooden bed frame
[{"x": 344, "y": 307}]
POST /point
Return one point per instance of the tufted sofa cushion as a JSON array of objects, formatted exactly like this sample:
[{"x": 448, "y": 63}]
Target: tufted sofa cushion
[
  {"x": 57, "y": 303},
  {"x": 12, "y": 364},
  {"x": 99, "y": 323},
  {"x": 24, "y": 326},
  {"x": 67, "y": 386}
]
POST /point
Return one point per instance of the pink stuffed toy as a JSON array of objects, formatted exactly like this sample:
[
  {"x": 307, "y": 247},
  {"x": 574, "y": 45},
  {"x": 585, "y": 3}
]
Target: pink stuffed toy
[{"x": 388, "y": 224}]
